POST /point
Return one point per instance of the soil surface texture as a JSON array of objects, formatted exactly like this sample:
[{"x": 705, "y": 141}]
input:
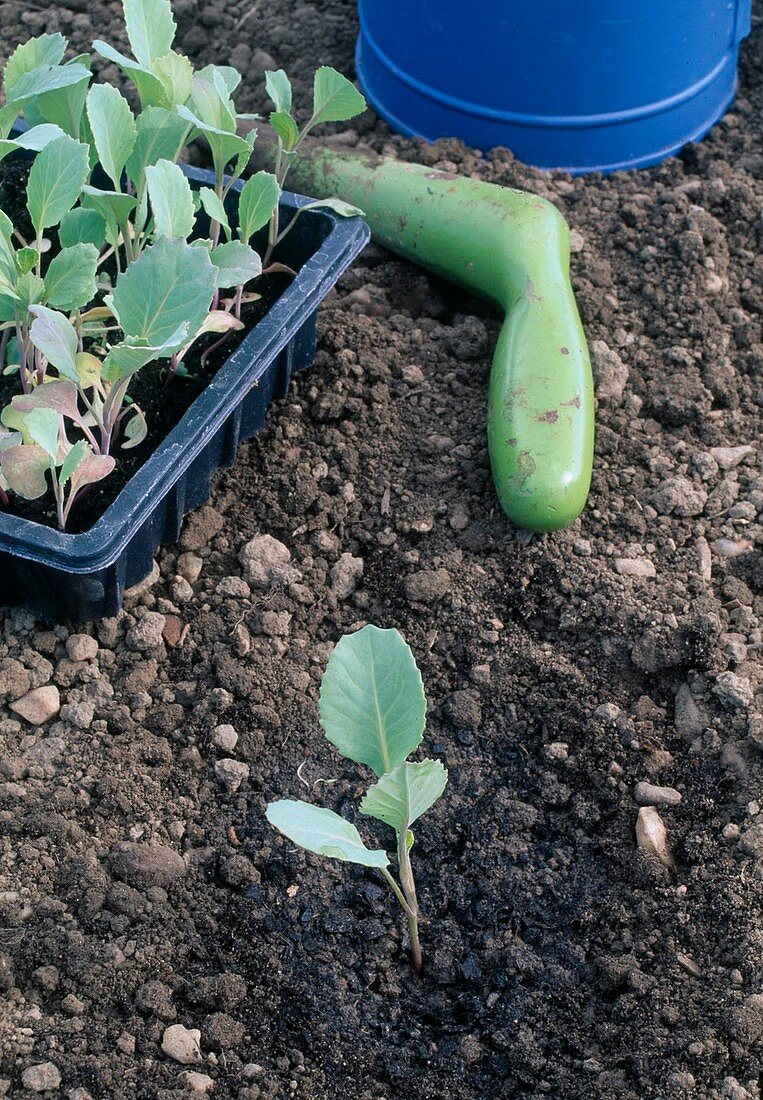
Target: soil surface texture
[{"x": 159, "y": 940}]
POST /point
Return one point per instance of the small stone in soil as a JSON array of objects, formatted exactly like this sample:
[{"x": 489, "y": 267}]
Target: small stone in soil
[
  {"x": 647, "y": 794},
  {"x": 427, "y": 585},
  {"x": 147, "y": 632},
  {"x": 182, "y": 1044},
  {"x": 345, "y": 575},
  {"x": 635, "y": 567},
  {"x": 81, "y": 647},
  {"x": 224, "y": 737},
  {"x": 267, "y": 562},
  {"x": 733, "y": 690},
  {"x": 678, "y": 496},
  {"x": 147, "y": 864},
  {"x": 189, "y": 566},
  {"x": 231, "y": 774},
  {"x": 652, "y": 836},
  {"x": 38, "y": 706},
  {"x": 198, "y": 1083},
  {"x": 44, "y": 1077}
]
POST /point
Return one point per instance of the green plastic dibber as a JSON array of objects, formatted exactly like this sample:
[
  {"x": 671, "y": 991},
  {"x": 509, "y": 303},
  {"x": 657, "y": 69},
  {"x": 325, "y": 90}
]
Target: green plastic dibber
[{"x": 513, "y": 248}]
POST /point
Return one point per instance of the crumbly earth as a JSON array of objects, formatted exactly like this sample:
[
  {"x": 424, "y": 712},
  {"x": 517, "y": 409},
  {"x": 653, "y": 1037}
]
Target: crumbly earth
[{"x": 141, "y": 889}]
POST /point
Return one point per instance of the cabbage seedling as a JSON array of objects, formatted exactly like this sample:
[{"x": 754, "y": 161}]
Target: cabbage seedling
[{"x": 373, "y": 710}]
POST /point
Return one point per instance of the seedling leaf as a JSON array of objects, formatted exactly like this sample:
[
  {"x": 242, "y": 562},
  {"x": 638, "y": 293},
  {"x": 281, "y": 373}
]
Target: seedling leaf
[
  {"x": 47, "y": 78},
  {"x": 58, "y": 395},
  {"x": 236, "y": 264},
  {"x": 24, "y": 468},
  {"x": 323, "y": 832},
  {"x": 171, "y": 199},
  {"x": 404, "y": 794},
  {"x": 36, "y": 138},
  {"x": 81, "y": 226},
  {"x": 176, "y": 75},
  {"x": 150, "y": 28},
  {"x": 214, "y": 207},
  {"x": 131, "y": 355},
  {"x": 70, "y": 278},
  {"x": 150, "y": 87},
  {"x": 339, "y": 206},
  {"x": 286, "y": 128},
  {"x": 278, "y": 87},
  {"x": 42, "y": 425},
  {"x": 64, "y": 106},
  {"x": 335, "y": 99},
  {"x": 113, "y": 128},
  {"x": 91, "y": 468},
  {"x": 171, "y": 284},
  {"x": 54, "y": 335},
  {"x": 46, "y": 49},
  {"x": 72, "y": 461},
  {"x": 256, "y": 203},
  {"x": 55, "y": 181},
  {"x": 372, "y": 702},
  {"x": 160, "y": 136}
]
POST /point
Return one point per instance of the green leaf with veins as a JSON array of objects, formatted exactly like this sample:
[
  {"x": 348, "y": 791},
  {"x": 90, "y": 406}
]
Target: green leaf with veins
[
  {"x": 135, "y": 430},
  {"x": 55, "y": 336},
  {"x": 57, "y": 394},
  {"x": 223, "y": 144},
  {"x": 339, "y": 206},
  {"x": 372, "y": 702},
  {"x": 56, "y": 179},
  {"x": 335, "y": 98},
  {"x": 236, "y": 264},
  {"x": 150, "y": 87},
  {"x": 48, "y": 78},
  {"x": 323, "y": 832},
  {"x": 72, "y": 461},
  {"x": 169, "y": 285},
  {"x": 256, "y": 203},
  {"x": 24, "y": 468},
  {"x": 401, "y": 796},
  {"x": 160, "y": 135},
  {"x": 150, "y": 28},
  {"x": 43, "y": 426},
  {"x": 30, "y": 289},
  {"x": 90, "y": 469},
  {"x": 176, "y": 75},
  {"x": 286, "y": 128},
  {"x": 36, "y": 138},
  {"x": 214, "y": 207},
  {"x": 113, "y": 128},
  {"x": 171, "y": 200},
  {"x": 45, "y": 49},
  {"x": 131, "y": 355},
  {"x": 278, "y": 87},
  {"x": 26, "y": 258},
  {"x": 113, "y": 207},
  {"x": 223, "y": 75},
  {"x": 81, "y": 226},
  {"x": 64, "y": 106},
  {"x": 212, "y": 105},
  {"x": 70, "y": 278}
]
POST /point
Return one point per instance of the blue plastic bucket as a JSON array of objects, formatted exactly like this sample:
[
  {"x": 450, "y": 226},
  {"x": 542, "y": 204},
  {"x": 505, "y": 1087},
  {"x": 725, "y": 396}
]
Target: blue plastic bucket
[{"x": 584, "y": 85}]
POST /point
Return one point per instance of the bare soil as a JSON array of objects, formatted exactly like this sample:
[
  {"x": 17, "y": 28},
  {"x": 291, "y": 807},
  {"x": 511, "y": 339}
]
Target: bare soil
[{"x": 561, "y": 671}]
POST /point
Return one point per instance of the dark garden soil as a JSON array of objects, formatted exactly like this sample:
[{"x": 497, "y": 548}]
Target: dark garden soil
[{"x": 140, "y": 886}]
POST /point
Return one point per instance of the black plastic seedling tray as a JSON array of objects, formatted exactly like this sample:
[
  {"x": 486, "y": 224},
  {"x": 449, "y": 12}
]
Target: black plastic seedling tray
[{"x": 84, "y": 576}]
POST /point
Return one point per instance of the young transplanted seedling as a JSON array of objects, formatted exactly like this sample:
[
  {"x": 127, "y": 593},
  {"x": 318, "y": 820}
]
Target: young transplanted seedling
[{"x": 373, "y": 710}]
